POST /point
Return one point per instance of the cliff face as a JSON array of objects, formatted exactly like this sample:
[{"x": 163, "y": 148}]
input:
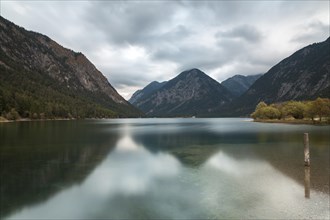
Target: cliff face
[
  {"x": 191, "y": 93},
  {"x": 29, "y": 52}
]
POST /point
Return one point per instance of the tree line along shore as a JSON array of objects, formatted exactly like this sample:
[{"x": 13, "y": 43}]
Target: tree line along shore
[{"x": 297, "y": 112}]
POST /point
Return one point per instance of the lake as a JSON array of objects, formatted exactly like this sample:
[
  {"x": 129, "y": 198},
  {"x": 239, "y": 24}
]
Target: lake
[{"x": 162, "y": 169}]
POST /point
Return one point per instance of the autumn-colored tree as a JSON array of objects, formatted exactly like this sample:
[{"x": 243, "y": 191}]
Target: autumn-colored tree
[
  {"x": 321, "y": 107},
  {"x": 12, "y": 115},
  {"x": 257, "y": 113},
  {"x": 261, "y": 105},
  {"x": 298, "y": 110},
  {"x": 270, "y": 112},
  {"x": 310, "y": 111},
  {"x": 266, "y": 112},
  {"x": 294, "y": 109}
]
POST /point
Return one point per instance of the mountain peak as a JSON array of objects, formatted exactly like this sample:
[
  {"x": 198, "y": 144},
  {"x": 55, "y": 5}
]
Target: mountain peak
[
  {"x": 191, "y": 93},
  {"x": 153, "y": 83},
  {"x": 192, "y": 73}
]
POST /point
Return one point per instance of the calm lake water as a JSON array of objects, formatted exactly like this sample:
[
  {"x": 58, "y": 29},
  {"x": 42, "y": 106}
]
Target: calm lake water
[{"x": 161, "y": 169}]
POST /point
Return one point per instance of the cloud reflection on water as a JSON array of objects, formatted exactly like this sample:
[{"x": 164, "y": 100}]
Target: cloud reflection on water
[
  {"x": 254, "y": 189},
  {"x": 131, "y": 169},
  {"x": 133, "y": 182}
]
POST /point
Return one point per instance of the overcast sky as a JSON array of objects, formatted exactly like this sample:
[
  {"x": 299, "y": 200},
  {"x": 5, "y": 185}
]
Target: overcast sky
[{"x": 135, "y": 42}]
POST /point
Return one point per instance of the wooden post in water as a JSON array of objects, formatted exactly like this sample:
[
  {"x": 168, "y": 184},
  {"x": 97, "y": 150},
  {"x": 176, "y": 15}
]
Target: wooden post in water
[
  {"x": 307, "y": 182},
  {"x": 307, "y": 166},
  {"x": 306, "y": 150}
]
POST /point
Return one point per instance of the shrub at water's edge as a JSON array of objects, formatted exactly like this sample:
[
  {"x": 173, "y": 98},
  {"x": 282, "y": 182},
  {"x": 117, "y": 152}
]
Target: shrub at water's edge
[{"x": 317, "y": 111}]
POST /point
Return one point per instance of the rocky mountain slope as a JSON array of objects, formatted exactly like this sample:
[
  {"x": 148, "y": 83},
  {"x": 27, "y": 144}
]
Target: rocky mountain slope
[
  {"x": 40, "y": 76},
  {"x": 239, "y": 84},
  {"x": 304, "y": 75},
  {"x": 191, "y": 93},
  {"x": 142, "y": 94}
]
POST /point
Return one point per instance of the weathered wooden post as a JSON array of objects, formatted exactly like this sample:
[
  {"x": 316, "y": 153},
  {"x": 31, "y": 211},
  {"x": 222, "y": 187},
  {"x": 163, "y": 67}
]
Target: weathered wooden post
[
  {"x": 307, "y": 166},
  {"x": 307, "y": 182},
  {"x": 306, "y": 150}
]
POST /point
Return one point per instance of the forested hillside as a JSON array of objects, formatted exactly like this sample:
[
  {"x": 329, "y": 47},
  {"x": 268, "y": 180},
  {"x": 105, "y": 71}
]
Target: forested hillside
[{"x": 41, "y": 79}]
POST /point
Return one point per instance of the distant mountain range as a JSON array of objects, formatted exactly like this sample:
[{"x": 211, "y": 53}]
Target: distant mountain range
[
  {"x": 191, "y": 93},
  {"x": 239, "y": 84},
  {"x": 236, "y": 85},
  {"x": 304, "y": 75},
  {"x": 40, "y": 78}
]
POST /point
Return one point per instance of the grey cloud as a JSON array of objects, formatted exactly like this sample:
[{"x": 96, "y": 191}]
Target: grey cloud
[
  {"x": 129, "y": 76},
  {"x": 302, "y": 9},
  {"x": 140, "y": 22},
  {"x": 179, "y": 32},
  {"x": 245, "y": 32},
  {"x": 132, "y": 79},
  {"x": 219, "y": 12},
  {"x": 234, "y": 49},
  {"x": 312, "y": 32},
  {"x": 132, "y": 22},
  {"x": 191, "y": 56}
]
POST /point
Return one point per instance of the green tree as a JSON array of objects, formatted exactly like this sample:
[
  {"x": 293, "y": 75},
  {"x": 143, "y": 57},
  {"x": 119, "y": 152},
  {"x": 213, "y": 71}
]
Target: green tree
[
  {"x": 321, "y": 106},
  {"x": 261, "y": 105},
  {"x": 270, "y": 112},
  {"x": 294, "y": 109},
  {"x": 12, "y": 115},
  {"x": 310, "y": 111},
  {"x": 263, "y": 111},
  {"x": 257, "y": 113}
]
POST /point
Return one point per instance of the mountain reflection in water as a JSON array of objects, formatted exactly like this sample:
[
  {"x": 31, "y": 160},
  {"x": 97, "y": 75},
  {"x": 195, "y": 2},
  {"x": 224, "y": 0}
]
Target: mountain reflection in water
[{"x": 189, "y": 169}]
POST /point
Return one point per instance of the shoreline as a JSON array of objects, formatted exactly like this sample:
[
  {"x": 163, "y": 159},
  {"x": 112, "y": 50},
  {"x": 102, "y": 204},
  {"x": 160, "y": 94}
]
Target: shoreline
[
  {"x": 271, "y": 121},
  {"x": 293, "y": 122},
  {"x": 4, "y": 120}
]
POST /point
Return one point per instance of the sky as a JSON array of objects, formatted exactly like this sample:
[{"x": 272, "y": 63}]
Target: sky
[{"x": 136, "y": 42}]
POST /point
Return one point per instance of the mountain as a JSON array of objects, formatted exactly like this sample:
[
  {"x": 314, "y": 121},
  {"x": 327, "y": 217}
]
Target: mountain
[
  {"x": 40, "y": 78},
  {"x": 305, "y": 75},
  {"x": 140, "y": 95},
  {"x": 239, "y": 84},
  {"x": 191, "y": 93}
]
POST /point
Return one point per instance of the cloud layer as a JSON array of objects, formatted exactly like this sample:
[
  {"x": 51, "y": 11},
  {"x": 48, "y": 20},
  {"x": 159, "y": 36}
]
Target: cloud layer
[{"x": 136, "y": 42}]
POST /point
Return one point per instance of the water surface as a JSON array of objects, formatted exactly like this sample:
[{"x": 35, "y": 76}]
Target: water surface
[{"x": 161, "y": 168}]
